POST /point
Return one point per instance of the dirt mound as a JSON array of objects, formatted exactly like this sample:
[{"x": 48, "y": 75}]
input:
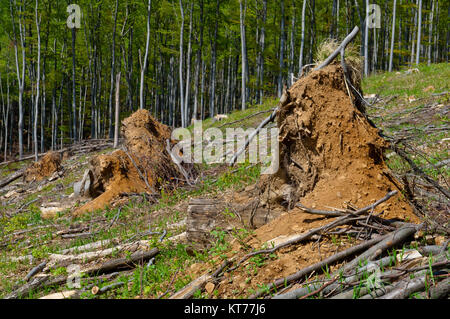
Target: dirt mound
[
  {"x": 331, "y": 156},
  {"x": 143, "y": 166},
  {"x": 49, "y": 164}
]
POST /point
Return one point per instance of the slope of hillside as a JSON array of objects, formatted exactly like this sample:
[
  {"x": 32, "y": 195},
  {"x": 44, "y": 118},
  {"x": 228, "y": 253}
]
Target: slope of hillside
[{"x": 411, "y": 109}]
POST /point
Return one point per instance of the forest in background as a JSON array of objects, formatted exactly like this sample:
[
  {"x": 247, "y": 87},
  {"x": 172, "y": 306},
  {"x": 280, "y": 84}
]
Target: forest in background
[{"x": 181, "y": 59}]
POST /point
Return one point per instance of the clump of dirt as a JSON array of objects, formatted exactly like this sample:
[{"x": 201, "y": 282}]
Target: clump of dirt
[
  {"x": 38, "y": 171},
  {"x": 331, "y": 155},
  {"x": 144, "y": 165}
]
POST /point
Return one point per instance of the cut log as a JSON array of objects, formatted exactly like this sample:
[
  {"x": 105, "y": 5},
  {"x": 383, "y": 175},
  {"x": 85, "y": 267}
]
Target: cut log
[
  {"x": 306, "y": 271},
  {"x": 11, "y": 178},
  {"x": 188, "y": 291},
  {"x": 206, "y": 215},
  {"x": 123, "y": 263}
]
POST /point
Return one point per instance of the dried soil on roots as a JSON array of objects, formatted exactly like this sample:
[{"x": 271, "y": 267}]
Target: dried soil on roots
[
  {"x": 144, "y": 165},
  {"x": 38, "y": 171},
  {"x": 331, "y": 156}
]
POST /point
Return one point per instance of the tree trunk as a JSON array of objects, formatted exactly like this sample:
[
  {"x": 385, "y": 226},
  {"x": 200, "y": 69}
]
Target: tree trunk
[
  {"x": 38, "y": 77},
  {"x": 391, "y": 53},
  {"x": 144, "y": 65},
  {"x": 414, "y": 33},
  {"x": 117, "y": 112},
  {"x": 113, "y": 62},
  {"x": 212, "y": 96},
  {"x": 181, "y": 66},
  {"x": 20, "y": 74},
  {"x": 302, "y": 43},
  {"x": 366, "y": 42},
  {"x": 243, "y": 9},
  {"x": 281, "y": 62},
  {"x": 419, "y": 33},
  {"x": 74, "y": 105},
  {"x": 261, "y": 52},
  {"x": 188, "y": 71},
  {"x": 291, "y": 48},
  {"x": 430, "y": 39}
]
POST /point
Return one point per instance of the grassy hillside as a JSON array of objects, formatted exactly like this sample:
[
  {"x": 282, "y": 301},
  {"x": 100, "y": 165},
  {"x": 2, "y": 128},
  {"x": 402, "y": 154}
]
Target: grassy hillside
[{"x": 407, "y": 110}]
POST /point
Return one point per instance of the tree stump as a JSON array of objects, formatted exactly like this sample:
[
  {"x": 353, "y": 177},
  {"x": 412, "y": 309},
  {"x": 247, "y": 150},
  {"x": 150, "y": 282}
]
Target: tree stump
[{"x": 206, "y": 215}]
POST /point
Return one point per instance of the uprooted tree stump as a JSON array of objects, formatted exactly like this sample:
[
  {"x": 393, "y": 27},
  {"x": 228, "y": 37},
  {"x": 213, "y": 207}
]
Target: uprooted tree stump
[
  {"x": 330, "y": 153},
  {"x": 45, "y": 167},
  {"x": 142, "y": 166}
]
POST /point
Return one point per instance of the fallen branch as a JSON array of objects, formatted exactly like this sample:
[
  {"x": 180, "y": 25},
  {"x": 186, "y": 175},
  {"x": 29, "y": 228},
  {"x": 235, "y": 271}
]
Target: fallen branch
[
  {"x": 296, "y": 239},
  {"x": 320, "y": 289},
  {"x": 317, "y": 266},
  {"x": 64, "y": 260},
  {"x": 393, "y": 239},
  {"x": 246, "y": 118},
  {"x": 35, "y": 270},
  {"x": 419, "y": 172},
  {"x": 441, "y": 290},
  {"x": 122, "y": 263},
  {"x": 11, "y": 178},
  {"x": 188, "y": 291}
]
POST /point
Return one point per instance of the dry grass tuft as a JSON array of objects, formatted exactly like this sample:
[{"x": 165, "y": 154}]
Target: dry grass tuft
[{"x": 352, "y": 57}]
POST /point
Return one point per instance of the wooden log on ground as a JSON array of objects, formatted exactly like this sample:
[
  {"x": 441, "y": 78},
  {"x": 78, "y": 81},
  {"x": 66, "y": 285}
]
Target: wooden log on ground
[
  {"x": 317, "y": 266},
  {"x": 11, "y": 178},
  {"x": 406, "y": 287},
  {"x": 393, "y": 239},
  {"x": 58, "y": 260},
  {"x": 123, "y": 263},
  {"x": 188, "y": 291},
  {"x": 35, "y": 270},
  {"x": 439, "y": 291}
]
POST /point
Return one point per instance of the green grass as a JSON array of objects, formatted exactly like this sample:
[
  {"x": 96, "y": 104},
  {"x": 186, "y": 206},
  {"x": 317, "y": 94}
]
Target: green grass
[
  {"x": 389, "y": 84},
  {"x": 238, "y": 115}
]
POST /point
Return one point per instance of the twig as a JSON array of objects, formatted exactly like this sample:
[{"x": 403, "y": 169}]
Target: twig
[
  {"x": 170, "y": 284},
  {"x": 315, "y": 267},
  {"x": 245, "y": 118},
  {"x": 320, "y": 289}
]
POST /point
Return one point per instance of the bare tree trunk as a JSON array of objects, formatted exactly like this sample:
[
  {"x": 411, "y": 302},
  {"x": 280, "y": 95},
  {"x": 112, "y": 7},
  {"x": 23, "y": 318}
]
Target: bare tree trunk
[
  {"x": 6, "y": 114},
  {"x": 430, "y": 46},
  {"x": 212, "y": 96},
  {"x": 188, "y": 71},
  {"x": 261, "y": 52},
  {"x": 391, "y": 53},
  {"x": 38, "y": 77},
  {"x": 203, "y": 66},
  {"x": 414, "y": 33},
  {"x": 20, "y": 74},
  {"x": 243, "y": 9},
  {"x": 291, "y": 47},
  {"x": 366, "y": 42},
  {"x": 419, "y": 33},
  {"x": 145, "y": 62},
  {"x": 113, "y": 62},
  {"x": 281, "y": 62},
  {"x": 302, "y": 44},
  {"x": 181, "y": 66},
  {"x": 117, "y": 112},
  {"x": 74, "y": 93}
]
